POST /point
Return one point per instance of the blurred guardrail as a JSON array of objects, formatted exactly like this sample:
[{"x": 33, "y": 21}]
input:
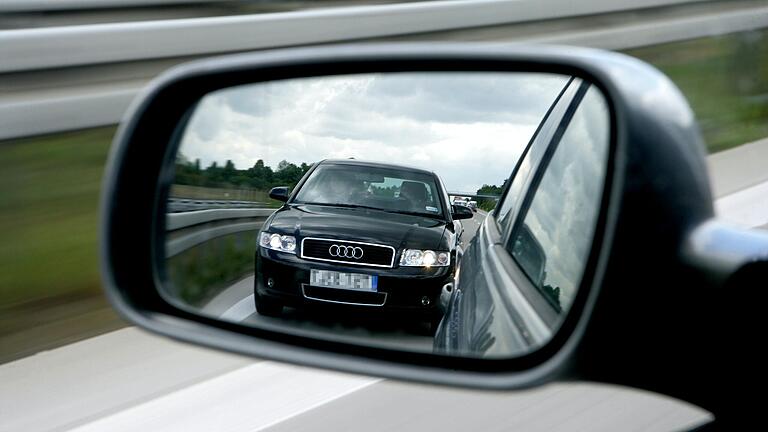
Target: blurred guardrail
[
  {"x": 61, "y": 5},
  {"x": 46, "y": 48},
  {"x": 64, "y": 78},
  {"x": 189, "y": 229},
  {"x": 473, "y": 195},
  {"x": 189, "y": 204}
]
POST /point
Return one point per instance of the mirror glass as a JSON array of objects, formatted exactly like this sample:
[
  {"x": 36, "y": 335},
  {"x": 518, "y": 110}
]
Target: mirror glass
[{"x": 450, "y": 213}]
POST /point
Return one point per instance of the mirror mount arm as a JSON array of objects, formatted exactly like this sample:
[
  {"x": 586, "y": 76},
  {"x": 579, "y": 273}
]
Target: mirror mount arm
[
  {"x": 734, "y": 262},
  {"x": 720, "y": 250}
]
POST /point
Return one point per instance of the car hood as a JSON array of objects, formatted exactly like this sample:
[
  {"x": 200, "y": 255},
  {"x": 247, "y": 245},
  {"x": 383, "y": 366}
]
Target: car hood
[{"x": 365, "y": 225}]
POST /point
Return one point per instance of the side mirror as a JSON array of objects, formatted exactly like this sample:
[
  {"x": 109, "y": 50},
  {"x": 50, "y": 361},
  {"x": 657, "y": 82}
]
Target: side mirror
[
  {"x": 574, "y": 278},
  {"x": 279, "y": 193},
  {"x": 461, "y": 212}
]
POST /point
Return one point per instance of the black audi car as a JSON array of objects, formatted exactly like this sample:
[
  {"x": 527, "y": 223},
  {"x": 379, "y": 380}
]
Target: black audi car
[{"x": 359, "y": 235}]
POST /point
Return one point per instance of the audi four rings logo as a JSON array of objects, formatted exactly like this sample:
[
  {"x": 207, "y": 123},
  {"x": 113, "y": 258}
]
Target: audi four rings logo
[{"x": 341, "y": 251}]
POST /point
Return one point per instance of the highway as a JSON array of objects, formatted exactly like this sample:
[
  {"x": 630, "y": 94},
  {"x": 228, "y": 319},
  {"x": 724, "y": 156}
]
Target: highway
[{"x": 129, "y": 380}]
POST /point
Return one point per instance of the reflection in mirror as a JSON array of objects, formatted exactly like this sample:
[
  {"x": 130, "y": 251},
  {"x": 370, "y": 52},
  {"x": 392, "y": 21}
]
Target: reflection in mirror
[{"x": 363, "y": 208}]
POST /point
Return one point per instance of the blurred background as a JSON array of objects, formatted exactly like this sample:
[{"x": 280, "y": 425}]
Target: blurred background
[
  {"x": 56, "y": 135},
  {"x": 69, "y": 68}
]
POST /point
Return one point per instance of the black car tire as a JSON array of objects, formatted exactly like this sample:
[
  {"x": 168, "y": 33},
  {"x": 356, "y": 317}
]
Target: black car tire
[{"x": 267, "y": 306}]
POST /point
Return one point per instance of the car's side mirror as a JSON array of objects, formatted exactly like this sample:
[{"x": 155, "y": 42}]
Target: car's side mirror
[
  {"x": 461, "y": 212},
  {"x": 279, "y": 193},
  {"x": 601, "y": 259}
]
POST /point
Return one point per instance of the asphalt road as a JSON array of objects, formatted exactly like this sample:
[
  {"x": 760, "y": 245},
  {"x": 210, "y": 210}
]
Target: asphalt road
[
  {"x": 471, "y": 226},
  {"x": 236, "y": 304},
  {"x": 129, "y": 380}
]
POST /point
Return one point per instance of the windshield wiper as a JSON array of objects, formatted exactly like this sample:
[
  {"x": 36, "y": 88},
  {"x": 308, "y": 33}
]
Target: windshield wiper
[
  {"x": 356, "y": 206},
  {"x": 342, "y": 205},
  {"x": 405, "y": 212}
]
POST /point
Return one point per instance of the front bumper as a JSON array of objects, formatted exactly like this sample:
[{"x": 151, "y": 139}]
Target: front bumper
[{"x": 404, "y": 290}]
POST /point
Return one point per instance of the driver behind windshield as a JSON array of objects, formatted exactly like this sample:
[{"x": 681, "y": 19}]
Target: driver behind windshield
[
  {"x": 381, "y": 188},
  {"x": 335, "y": 187},
  {"x": 344, "y": 188}
]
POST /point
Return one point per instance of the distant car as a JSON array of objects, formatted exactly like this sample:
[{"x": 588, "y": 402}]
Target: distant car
[
  {"x": 359, "y": 234},
  {"x": 461, "y": 202},
  {"x": 472, "y": 205}
]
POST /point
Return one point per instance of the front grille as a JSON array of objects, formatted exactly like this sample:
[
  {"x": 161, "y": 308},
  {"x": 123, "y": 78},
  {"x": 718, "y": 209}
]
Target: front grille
[{"x": 372, "y": 254}]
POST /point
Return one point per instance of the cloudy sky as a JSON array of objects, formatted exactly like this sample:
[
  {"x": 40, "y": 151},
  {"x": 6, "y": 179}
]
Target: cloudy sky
[
  {"x": 469, "y": 128},
  {"x": 563, "y": 213}
]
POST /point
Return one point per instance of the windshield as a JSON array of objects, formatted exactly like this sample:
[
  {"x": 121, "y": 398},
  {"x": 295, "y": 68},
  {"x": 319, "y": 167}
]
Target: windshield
[{"x": 387, "y": 189}]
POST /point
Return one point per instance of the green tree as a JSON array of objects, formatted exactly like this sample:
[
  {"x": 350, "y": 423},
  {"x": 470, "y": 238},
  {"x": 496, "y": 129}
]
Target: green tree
[
  {"x": 258, "y": 177},
  {"x": 486, "y": 203}
]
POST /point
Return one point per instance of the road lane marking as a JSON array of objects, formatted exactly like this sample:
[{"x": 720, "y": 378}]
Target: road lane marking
[
  {"x": 240, "y": 310},
  {"x": 98, "y": 377},
  {"x": 229, "y": 296},
  {"x": 747, "y": 207},
  {"x": 252, "y": 398}
]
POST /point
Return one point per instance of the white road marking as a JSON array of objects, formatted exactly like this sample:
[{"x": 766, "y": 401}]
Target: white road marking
[
  {"x": 240, "y": 310},
  {"x": 738, "y": 168},
  {"x": 249, "y": 399},
  {"x": 97, "y": 377},
  {"x": 559, "y": 407},
  {"x": 228, "y": 297},
  {"x": 747, "y": 207}
]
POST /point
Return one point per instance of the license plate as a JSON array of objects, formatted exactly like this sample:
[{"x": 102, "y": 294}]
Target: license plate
[{"x": 349, "y": 281}]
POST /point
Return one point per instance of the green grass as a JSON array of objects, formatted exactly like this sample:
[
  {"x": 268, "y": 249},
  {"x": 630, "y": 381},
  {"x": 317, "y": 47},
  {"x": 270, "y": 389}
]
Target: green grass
[
  {"x": 49, "y": 192},
  {"x": 200, "y": 273},
  {"x": 725, "y": 80}
]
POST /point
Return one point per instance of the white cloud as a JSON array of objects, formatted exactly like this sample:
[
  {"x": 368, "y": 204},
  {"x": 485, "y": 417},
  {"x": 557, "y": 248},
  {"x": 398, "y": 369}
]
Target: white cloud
[
  {"x": 563, "y": 213},
  {"x": 468, "y": 127}
]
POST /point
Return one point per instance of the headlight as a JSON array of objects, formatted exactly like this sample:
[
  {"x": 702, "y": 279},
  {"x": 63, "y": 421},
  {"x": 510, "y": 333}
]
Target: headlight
[
  {"x": 424, "y": 258},
  {"x": 282, "y": 243}
]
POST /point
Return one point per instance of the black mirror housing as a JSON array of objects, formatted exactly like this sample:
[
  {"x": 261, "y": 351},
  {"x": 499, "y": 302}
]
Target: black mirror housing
[
  {"x": 461, "y": 212},
  {"x": 279, "y": 193},
  {"x": 656, "y": 160}
]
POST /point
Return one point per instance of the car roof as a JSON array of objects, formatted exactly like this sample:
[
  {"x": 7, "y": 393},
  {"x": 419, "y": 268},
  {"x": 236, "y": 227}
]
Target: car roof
[{"x": 373, "y": 164}]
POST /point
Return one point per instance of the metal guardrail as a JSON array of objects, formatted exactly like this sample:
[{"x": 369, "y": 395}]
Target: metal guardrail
[
  {"x": 91, "y": 73},
  {"x": 176, "y": 221},
  {"x": 204, "y": 225},
  {"x": 473, "y": 195},
  {"x": 176, "y": 205},
  {"x": 56, "y": 47},
  {"x": 16, "y": 6}
]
